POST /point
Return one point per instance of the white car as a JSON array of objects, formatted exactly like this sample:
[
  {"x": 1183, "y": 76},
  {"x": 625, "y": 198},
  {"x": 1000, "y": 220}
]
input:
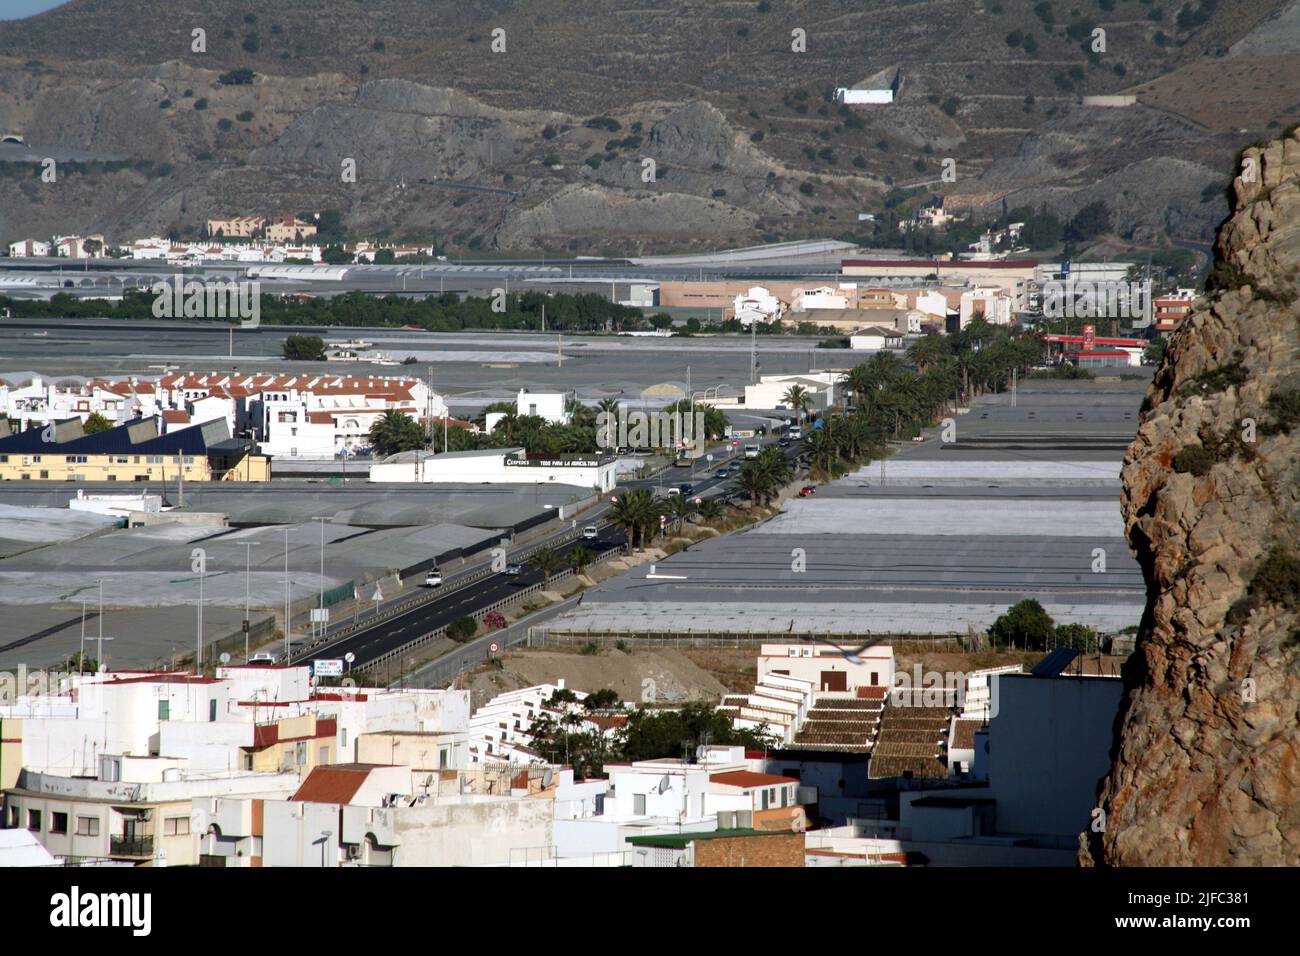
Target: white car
[
  {"x": 433, "y": 579},
  {"x": 590, "y": 533},
  {"x": 751, "y": 451}
]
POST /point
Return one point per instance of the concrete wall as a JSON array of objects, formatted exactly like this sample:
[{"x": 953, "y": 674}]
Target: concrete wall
[{"x": 473, "y": 833}]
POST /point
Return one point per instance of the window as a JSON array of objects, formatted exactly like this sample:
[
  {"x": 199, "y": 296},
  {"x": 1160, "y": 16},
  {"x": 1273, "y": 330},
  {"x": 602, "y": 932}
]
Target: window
[
  {"x": 300, "y": 752},
  {"x": 323, "y": 756},
  {"x": 58, "y": 823},
  {"x": 13, "y": 817},
  {"x": 785, "y": 795},
  {"x": 164, "y": 709},
  {"x": 212, "y": 711},
  {"x": 34, "y": 820},
  {"x": 344, "y": 737},
  {"x": 176, "y": 826},
  {"x": 638, "y": 803}
]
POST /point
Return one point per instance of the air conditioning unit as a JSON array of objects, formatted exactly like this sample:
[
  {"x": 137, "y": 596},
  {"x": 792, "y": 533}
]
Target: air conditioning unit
[{"x": 726, "y": 819}]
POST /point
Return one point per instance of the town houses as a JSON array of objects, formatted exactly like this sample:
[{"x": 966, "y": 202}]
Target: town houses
[{"x": 287, "y": 416}]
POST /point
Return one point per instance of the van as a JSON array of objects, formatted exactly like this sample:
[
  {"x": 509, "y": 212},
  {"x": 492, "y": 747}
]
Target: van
[
  {"x": 590, "y": 533},
  {"x": 433, "y": 579},
  {"x": 752, "y": 450}
]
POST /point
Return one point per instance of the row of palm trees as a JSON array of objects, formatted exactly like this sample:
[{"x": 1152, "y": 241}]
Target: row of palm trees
[
  {"x": 642, "y": 516},
  {"x": 894, "y": 398}
]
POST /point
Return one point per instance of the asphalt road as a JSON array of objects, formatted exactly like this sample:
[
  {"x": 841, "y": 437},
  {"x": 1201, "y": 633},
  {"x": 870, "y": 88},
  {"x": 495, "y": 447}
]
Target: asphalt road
[
  {"x": 387, "y": 636},
  {"x": 374, "y": 642}
]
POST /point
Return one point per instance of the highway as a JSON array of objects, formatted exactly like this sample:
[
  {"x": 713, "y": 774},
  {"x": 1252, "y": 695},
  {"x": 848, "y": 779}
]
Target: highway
[
  {"x": 385, "y": 637},
  {"x": 374, "y": 642}
]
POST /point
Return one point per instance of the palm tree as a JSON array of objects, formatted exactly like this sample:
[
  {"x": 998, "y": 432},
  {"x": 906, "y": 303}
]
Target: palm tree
[
  {"x": 797, "y": 398},
  {"x": 711, "y": 509},
  {"x": 546, "y": 561},
  {"x": 821, "y": 450},
  {"x": 679, "y": 506},
  {"x": 928, "y": 350},
  {"x": 395, "y": 431},
  {"x": 579, "y": 557},
  {"x": 634, "y": 511},
  {"x": 754, "y": 480}
]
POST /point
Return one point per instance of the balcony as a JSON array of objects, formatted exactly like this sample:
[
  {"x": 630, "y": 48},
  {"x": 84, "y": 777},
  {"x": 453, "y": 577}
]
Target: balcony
[{"x": 130, "y": 846}]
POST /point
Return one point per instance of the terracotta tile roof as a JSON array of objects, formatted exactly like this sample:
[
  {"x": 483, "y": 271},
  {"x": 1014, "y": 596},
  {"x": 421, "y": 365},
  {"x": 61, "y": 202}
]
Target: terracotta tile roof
[
  {"x": 338, "y": 783},
  {"x": 747, "y": 779},
  {"x": 963, "y": 733}
]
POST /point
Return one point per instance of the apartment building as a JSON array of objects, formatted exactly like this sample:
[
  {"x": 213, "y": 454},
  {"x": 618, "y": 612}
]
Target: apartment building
[
  {"x": 114, "y": 765},
  {"x": 135, "y": 451}
]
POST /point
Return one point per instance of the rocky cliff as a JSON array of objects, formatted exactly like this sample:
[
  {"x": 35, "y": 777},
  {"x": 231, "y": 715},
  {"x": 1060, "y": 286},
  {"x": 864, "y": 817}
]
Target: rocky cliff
[{"x": 1206, "y": 762}]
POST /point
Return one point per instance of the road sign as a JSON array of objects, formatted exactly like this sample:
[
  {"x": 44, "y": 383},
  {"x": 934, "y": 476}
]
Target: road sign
[
  {"x": 378, "y": 595},
  {"x": 319, "y": 614},
  {"x": 349, "y": 657},
  {"x": 494, "y": 647},
  {"x": 323, "y": 668}
]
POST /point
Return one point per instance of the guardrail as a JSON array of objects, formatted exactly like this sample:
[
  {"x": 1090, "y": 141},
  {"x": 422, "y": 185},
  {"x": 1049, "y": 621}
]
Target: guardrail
[
  {"x": 482, "y": 612},
  {"x": 431, "y": 595}
]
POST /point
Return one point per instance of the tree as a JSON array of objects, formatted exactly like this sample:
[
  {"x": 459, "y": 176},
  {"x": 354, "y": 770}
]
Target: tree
[
  {"x": 546, "y": 561},
  {"x": 1089, "y": 222},
  {"x": 462, "y": 629},
  {"x": 96, "y": 423},
  {"x": 1026, "y": 624},
  {"x": 304, "y": 348},
  {"x": 603, "y": 699},
  {"x": 394, "y": 432},
  {"x": 798, "y": 399},
  {"x": 679, "y": 507},
  {"x": 579, "y": 557},
  {"x": 634, "y": 512}
]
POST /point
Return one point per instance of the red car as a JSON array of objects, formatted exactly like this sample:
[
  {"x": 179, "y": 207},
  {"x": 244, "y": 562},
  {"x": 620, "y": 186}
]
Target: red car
[{"x": 807, "y": 490}]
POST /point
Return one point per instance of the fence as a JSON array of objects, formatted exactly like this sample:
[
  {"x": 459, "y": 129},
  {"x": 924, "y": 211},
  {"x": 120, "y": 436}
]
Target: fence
[{"x": 902, "y": 643}]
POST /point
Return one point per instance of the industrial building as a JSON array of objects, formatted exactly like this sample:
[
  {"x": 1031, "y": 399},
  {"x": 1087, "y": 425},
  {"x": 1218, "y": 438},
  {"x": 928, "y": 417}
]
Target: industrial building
[{"x": 497, "y": 466}]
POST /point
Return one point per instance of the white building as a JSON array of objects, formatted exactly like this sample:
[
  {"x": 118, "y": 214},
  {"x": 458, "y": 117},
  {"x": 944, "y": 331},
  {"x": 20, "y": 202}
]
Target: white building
[
  {"x": 498, "y": 466},
  {"x": 995, "y": 303},
  {"x": 827, "y": 668},
  {"x": 107, "y": 765},
  {"x": 547, "y": 405},
  {"x": 27, "y": 248},
  {"x": 851, "y": 97},
  {"x": 79, "y": 247},
  {"x": 757, "y": 305},
  {"x": 875, "y": 337}
]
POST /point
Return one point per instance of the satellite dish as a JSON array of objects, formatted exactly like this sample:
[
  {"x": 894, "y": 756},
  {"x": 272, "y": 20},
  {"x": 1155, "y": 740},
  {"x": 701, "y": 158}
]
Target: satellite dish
[
  {"x": 349, "y": 657},
  {"x": 547, "y": 777},
  {"x": 224, "y": 658},
  {"x": 664, "y": 784}
]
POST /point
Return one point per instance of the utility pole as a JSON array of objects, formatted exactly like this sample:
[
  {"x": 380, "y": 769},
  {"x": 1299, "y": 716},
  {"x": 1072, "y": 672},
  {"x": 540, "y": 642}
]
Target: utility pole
[
  {"x": 248, "y": 591},
  {"x": 99, "y": 654},
  {"x": 753, "y": 351},
  {"x": 286, "y": 595},
  {"x": 198, "y": 639}
]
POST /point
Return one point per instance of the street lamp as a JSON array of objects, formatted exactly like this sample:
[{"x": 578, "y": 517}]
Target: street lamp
[{"x": 324, "y": 621}]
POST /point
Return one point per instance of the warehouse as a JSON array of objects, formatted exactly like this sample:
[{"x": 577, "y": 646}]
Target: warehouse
[{"x": 497, "y": 466}]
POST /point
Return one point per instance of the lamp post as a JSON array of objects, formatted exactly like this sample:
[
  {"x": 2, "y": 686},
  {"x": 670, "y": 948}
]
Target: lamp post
[
  {"x": 248, "y": 590},
  {"x": 286, "y": 595},
  {"x": 323, "y": 620},
  {"x": 99, "y": 654}
]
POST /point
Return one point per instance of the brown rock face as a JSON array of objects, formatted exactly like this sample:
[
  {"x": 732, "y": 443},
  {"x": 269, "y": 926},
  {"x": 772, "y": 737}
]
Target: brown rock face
[{"x": 1206, "y": 764}]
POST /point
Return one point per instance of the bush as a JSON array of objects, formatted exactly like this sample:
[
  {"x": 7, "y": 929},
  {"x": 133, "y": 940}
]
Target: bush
[
  {"x": 462, "y": 629},
  {"x": 1194, "y": 459},
  {"x": 201, "y": 103},
  {"x": 236, "y": 78},
  {"x": 494, "y": 620},
  {"x": 245, "y": 117},
  {"x": 303, "y": 348},
  {"x": 1025, "y": 623}
]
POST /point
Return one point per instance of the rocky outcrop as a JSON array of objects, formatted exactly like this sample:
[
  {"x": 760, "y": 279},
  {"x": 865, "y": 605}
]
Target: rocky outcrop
[{"x": 1206, "y": 763}]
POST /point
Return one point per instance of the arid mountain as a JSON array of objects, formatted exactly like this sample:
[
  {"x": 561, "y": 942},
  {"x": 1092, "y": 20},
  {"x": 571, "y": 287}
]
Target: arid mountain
[
  {"x": 543, "y": 144},
  {"x": 1207, "y": 756}
]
